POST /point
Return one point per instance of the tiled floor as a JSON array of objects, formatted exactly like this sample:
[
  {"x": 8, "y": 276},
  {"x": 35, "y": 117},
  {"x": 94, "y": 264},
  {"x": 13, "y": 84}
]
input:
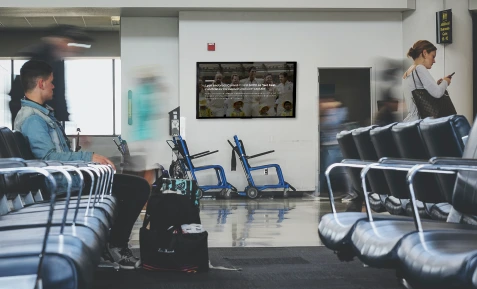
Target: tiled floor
[{"x": 260, "y": 223}]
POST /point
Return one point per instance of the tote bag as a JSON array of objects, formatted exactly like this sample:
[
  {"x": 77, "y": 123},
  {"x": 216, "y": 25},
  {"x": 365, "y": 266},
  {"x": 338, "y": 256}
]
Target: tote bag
[{"x": 429, "y": 106}]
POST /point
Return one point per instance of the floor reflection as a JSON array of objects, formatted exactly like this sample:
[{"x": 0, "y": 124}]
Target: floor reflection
[
  {"x": 262, "y": 223},
  {"x": 259, "y": 223}
]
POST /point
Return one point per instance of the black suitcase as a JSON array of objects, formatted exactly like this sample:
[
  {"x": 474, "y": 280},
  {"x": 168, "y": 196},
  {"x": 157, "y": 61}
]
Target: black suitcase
[{"x": 164, "y": 247}]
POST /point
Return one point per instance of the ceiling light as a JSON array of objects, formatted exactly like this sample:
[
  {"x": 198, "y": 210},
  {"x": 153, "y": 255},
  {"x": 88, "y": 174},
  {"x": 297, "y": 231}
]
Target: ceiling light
[
  {"x": 80, "y": 45},
  {"x": 115, "y": 20}
]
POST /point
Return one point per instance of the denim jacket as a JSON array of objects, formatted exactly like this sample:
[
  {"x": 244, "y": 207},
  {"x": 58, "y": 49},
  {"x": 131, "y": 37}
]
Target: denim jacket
[{"x": 45, "y": 134}]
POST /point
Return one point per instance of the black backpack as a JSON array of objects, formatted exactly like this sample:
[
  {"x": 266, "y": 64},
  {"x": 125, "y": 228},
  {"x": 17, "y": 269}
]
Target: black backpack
[{"x": 164, "y": 247}]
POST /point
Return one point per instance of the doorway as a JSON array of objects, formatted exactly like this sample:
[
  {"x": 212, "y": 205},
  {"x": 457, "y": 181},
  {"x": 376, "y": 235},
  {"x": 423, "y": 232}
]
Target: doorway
[{"x": 344, "y": 103}]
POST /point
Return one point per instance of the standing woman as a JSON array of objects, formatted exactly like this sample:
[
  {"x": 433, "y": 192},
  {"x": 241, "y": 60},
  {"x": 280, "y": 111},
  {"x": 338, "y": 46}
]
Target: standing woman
[{"x": 417, "y": 76}]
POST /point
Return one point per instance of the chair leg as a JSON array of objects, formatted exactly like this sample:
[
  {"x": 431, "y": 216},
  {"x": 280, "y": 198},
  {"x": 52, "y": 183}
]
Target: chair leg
[{"x": 402, "y": 281}]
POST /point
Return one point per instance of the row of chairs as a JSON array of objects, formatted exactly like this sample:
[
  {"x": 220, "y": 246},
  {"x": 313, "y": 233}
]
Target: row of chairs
[
  {"x": 415, "y": 141},
  {"x": 55, "y": 218},
  {"x": 425, "y": 162}
]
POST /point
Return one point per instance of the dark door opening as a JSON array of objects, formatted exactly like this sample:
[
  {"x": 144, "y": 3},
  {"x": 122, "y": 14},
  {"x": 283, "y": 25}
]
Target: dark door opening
[{"x": 344, "y": 104}]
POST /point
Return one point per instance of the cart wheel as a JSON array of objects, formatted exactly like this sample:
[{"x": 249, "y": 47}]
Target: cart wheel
[
  {"x": 227, "y": 194},
  {"x": 221, "y": 193},
  {"x": 285, "y": 193},
  {"x": 252, "y": 192},
  {"x": 200, "y": 193}
]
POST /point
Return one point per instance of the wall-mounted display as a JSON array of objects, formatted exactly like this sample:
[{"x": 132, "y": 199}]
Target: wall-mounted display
[
  {"x": 444, "y": 26},
  {"x": 246, "y": 90}
]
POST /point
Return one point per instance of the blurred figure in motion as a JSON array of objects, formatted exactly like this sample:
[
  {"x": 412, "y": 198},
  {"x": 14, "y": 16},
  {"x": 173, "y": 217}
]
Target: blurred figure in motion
[
  {"x": 61, "y": 41},
  {"x": 149, "y": 106},
  {"x": 389, "y": 82},
  {"x": 386, "y": 110},
  {"x": 333, "y": 114}
]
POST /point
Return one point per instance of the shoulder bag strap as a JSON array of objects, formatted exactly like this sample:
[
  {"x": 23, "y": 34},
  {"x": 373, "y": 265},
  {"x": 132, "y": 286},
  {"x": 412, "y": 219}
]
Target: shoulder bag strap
[
  {"x": 414, "y": 80},
  {"x": 413, "y": 97},
  {"x": 418, "y": 77}
]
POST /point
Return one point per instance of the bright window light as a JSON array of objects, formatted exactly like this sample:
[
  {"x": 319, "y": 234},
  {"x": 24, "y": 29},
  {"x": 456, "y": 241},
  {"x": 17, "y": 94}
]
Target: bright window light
[
  {"x": 5, "y": 83},
  {"x": 117, "y": 95},
  {"x": 89, "y": 95}
]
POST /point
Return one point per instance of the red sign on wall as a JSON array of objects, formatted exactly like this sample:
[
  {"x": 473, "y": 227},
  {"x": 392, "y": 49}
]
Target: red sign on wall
[{"x": 210, "y": 46}]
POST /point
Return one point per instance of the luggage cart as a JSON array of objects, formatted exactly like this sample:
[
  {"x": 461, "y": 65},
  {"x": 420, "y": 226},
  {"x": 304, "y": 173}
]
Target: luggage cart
[
  {"x": 184, "y": 168},
  {"x": 252, "y": 190}
]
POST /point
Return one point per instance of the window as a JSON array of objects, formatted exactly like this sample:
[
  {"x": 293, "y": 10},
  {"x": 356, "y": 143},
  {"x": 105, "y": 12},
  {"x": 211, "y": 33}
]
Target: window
[
  {"x": 89, "y": 95},
  {"x": 17, "y": 65},
  {"x": 93, "y": 94},
  {"x": 5, "y": 83},
  {"x": 117, "y": 96}
]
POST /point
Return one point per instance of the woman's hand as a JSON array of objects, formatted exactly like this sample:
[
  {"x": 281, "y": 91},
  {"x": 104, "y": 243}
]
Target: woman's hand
[{"x": 446, "y": 79}]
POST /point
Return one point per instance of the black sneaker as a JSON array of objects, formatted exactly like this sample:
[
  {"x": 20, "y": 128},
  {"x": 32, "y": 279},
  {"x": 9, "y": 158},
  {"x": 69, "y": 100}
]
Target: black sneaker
[{"x": 124, "y": 257}]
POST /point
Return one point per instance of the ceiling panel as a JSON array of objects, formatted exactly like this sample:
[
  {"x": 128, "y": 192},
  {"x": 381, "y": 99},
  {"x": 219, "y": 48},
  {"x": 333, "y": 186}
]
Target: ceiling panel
[
  {"x": 89, "y": 22},
  {"x": 41, "y": 21},
  {"x": 97, "y": 21},
  {"x": 100, "y": 22},
  {"x": 14, "y": 22},
  {"x": 77, "y": 21}
]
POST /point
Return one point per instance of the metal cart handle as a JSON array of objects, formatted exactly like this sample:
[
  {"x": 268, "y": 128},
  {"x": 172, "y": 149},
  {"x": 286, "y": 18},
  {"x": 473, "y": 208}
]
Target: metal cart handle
[
  {"x": 198, "y": 155},
  {"x": 168, "y": 143},
  {"x": 203, "y": 154},
  {"x": 258, "y": 155},
  {"x": 119, "y": 147}
]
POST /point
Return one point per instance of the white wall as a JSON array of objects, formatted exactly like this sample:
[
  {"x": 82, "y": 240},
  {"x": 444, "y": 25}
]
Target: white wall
[
  {"x": 313, "y": 40},
  {"x": 145, "y": 43},
  {"x": 456, "y": 57},
  {"x": 472, "y": 4}
]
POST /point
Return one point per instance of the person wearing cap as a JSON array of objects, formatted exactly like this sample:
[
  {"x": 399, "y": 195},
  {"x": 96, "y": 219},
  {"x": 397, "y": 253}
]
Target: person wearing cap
[
  {"x": 287, "y": 105},
  {"x": 52, "y": 49},
  {"x": 237, "y": 112},
  {"x": 264, "y": 110},
  {"x": 204, "y": 111}
]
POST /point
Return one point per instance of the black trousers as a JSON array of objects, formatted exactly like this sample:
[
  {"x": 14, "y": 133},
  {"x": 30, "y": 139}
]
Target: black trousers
[{"x": 132, "y": 193}]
